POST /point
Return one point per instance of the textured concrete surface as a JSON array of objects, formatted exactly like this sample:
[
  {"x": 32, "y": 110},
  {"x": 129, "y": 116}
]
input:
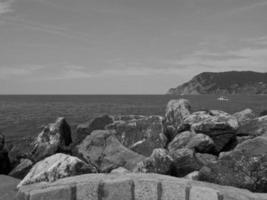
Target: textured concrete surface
[{"x": 132, "y": 187}]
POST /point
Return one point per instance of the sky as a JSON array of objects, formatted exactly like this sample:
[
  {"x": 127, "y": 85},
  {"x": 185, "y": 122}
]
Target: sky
[{"x": 125, "y": 46}]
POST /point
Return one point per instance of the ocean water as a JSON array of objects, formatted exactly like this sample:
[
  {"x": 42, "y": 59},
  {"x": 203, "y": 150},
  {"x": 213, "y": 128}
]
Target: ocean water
[{"x": 25, "y": 115}]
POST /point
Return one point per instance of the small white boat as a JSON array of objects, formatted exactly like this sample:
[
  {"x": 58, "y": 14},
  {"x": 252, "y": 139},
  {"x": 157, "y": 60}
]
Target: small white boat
[{"x": 222, "y": 98}]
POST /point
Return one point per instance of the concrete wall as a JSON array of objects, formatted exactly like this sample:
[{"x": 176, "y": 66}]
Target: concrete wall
[{"x": 132, "y": 187}]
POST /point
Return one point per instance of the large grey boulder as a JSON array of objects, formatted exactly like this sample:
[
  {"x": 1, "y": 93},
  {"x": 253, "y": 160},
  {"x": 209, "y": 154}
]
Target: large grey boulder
[
  {"x": 205, "y": 159},
  {"x": 199, "y": 142},
  {"x": 159, "y": 162},
  {"x": 142, "y": 135},
  {"x": 180, "y": 140},
  {"x": 244, "y": 167},
  {"x": 103, "y": 149},
  {"x": 184, "y": 162},
  {"x": 244, "y": 116},
  {"x": 55, "y": 137},
  {"x": 255, "y": 127},
  {"x": 176, "y": 111},
  {"x": 56, "y": 167},
  {"x": 85, "y": 129},
  {"x": 220, "y": 126},
  {"x": 212, "y": 122}
]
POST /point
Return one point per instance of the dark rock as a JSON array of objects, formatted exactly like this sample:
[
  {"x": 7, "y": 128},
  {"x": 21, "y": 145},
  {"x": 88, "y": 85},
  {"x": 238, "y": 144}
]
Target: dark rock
[
  {"x": 244, "y": 116},
  {"x": 244, "y": 167},
  {"x": 147, "y": 129},
  {"x": 8, "y": 187},
  {"x": 263, "y": 113},
  {"x": 159, "y": 162},
  {"x": 255, "y": 127},
  {"x": 22, "y": 169},
  {"x": 85, "y": 129},
  {"x": 103, "y": 150},
  {"x": 2, "y": 142},
  {"x": 20, "y": 149},
  {"x": 5, "y": 166},
  {"x": 184, "y": 162},
  {"x": 201, "y": 143},
  {"x": 55, "y": 137},
  {"x": 55, "y": 167}
]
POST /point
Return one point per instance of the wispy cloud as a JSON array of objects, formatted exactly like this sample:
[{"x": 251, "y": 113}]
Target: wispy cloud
[
  {"x": 241, "y": 59},
  {"x": 5, "y": 6},
  {"x": 51, "y": 29},
  {"x": 18, "y": 71}
]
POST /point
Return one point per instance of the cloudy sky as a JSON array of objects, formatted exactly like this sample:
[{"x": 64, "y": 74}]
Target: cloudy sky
[{"x": 125, "y": 46}]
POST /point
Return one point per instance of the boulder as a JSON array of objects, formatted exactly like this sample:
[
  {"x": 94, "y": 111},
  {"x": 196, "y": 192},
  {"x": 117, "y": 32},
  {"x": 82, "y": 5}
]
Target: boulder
[
  {"x": 255, "y": 127},
  {"x": 4, "y": 159},
  {"x": 180, "y": 140},
  {"x": 21, "y": 170},
  {"x": 244, "y": 167},
  {"x": 8, "y": 190},
  {"x": 159, "y": 162},
  {"x": 200, "y": 142},
  {"x": 212, "y": 122},
  {"x": 85, "y": 129},
  {"x": 55, "y": 167},
  {"x": 219, "y": 125},
  {"x": 55, "y": 137},
  {"x": 205, "y": 158},
  {"x": 176, "y": 111},
  {"x": 244, "y": 116},
  {"x": 147, "y": 130},
  {"x": 184, "y": 162},
  {"x": 103, "y": 149}
]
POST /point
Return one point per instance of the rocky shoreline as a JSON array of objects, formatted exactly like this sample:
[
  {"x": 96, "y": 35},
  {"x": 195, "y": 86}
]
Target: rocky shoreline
[{"x": 207, "y": 145}]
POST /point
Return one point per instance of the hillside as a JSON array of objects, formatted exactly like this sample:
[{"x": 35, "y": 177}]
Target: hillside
[{"x": 223, "y": 83}]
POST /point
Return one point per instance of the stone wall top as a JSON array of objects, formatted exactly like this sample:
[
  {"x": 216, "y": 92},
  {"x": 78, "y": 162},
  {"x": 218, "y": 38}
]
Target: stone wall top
[{"x": 132, "y": 187}]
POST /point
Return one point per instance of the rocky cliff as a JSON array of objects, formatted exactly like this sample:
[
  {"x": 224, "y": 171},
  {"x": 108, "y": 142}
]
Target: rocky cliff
[{"x": 224, "y": 83}]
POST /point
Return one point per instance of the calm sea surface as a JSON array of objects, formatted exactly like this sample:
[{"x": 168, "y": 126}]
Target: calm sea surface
[{"x": 24, "y": 115}]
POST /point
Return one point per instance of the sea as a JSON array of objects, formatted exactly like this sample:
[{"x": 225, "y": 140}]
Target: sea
[{"x": 25, "y": 115}]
